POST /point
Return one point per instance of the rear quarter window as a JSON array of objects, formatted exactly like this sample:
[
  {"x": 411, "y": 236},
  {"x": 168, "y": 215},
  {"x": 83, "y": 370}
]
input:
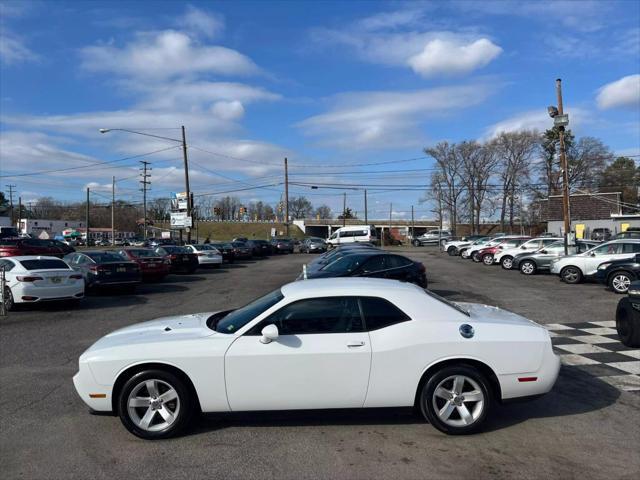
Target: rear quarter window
[{"x": 380, "y": 313}]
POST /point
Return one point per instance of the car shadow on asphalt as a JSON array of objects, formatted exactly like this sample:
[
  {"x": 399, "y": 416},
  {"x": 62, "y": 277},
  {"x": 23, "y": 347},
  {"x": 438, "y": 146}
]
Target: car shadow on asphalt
[
  {"x": 184, "y": 278},
  {"x": 576, "y": 392}
]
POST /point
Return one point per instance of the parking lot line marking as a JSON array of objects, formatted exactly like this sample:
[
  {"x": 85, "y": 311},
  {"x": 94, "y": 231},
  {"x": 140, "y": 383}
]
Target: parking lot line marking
[
  {"x": 593, "y": 339},
  {"x": 631, "y": 367},
  {"x": 631, "y": 353},
  {"x": 573, "y": 359},
  {"x": 601, "y": 331},
  {"x": 608, "y": 323},
  {"x": 628, "y": 383},
  {"x": 557, "y": 326},
  {"x": 582, "y": 348}
]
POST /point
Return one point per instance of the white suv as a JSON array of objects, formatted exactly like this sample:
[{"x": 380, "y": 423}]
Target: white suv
[
  {"x": 575, "y": 268},
  {"x": 505, "y": 257}
]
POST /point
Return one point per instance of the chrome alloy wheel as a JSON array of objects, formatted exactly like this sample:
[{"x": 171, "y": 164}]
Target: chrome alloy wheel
[
  {"x": 153, "y": 405},
  {"x": 620, "y": 282},
  {"x": 458, "y": 401},
  {"x": 507, "y": 263},
  {"x": 527, "y": 268}
]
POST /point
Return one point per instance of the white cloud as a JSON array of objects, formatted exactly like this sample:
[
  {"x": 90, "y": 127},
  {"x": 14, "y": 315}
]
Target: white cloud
[
  {"x": 163, "y": 55},
  {"x": 13, "y": 50},
  {"x": 233, "y": 110},
  {"x": 388, "y": 119},
  {"x": 534, "y": 120},
  {"x": 449, "y": 57},
  {"x": 196, "y": 20},
  {"x": 624, "y": 92}
]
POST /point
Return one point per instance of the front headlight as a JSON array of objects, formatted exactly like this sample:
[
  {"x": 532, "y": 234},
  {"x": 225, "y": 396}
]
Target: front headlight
[{"x": 603, "y": 266}]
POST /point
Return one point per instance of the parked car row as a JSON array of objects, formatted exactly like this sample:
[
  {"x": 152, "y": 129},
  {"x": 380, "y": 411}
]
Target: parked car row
[{"x": 615, "y": 263}]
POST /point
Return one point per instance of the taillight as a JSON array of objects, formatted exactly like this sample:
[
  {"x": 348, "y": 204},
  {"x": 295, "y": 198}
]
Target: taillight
[
  {"x": 28, "y": 279},
  {"x": 76, "y": 277},
  {"x": 173, "y": 257},
  {"x": 421, "y": 267}
]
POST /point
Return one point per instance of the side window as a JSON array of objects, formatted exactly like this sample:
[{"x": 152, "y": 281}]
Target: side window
[
  {"x": 609, "y": 249},
  {"x": 374, "y": 264},
  {"x": 380, "y": 313},
  {"x": 548, "y": 241},
  {"x": 631, "y": 248},
  {"x": 7, "y": 265},
  {"x": 314, "y": 316},
  {"x": 396, "y": 261}
]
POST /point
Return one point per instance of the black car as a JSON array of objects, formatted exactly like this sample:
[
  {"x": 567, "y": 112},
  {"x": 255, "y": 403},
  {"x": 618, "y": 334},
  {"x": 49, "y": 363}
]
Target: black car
[
  {"x": 226, "y": 249},
  {"x": 375, "y": 264},
  {"x": 61, "y": 245},
  {"x": 282, "y": 245},
  {"x": 628, "y": 317},
  {"x": 102, "y": 268},
  {"x": 242, "y": 250},
  {"x": 181, "y": 259},
  {"x": 264, "y": 247},
  {"x": 619, "y": 274}
]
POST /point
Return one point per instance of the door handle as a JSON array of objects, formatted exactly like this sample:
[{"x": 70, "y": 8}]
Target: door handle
[{"x": 355, "y": 344}]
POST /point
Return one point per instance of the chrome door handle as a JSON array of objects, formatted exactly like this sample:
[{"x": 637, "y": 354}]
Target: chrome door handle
[{"x": 355, "y": 344}]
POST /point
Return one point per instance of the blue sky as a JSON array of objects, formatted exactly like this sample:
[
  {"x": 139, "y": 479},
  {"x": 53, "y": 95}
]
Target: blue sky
[{"x": 329, "y": 85}]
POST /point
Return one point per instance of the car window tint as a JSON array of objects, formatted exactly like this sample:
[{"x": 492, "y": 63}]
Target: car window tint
[
  {"x": 396, "y": 261},
  {"x": 375, "y": 264},
  {"x": 6, "y": 265},
  {"x": 609, "y": 249},
  {"x": 318, "y": 315},
  {"x": 43, "y": 264},
  {"x": 630, "y": 247},
  {"x": 380, "y": 313}
]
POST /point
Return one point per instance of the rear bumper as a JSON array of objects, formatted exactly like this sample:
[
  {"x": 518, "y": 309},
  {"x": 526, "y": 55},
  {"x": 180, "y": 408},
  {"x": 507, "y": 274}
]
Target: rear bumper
[
  {"x": 522, "y": 385},
  {"x": 48, "y": 294},
  {"x": 217, "y": 260}
]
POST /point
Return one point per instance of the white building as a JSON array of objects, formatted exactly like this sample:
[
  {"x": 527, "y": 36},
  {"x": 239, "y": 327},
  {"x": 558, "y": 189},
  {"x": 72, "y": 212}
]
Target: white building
[{"x": 35, "y": 226}]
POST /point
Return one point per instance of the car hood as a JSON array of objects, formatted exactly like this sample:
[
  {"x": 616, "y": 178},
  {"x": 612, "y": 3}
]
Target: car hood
[
  {"x": 165, "y": 329},
  {"x": 488, "y": 313}
]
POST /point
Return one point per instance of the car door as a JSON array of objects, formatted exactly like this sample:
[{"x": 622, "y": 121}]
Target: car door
[
  {"x": 398, "y": 268},
  {"x": 321, "y": 359},
  {"x": 544, "y": 257},
  {"x": 375, "y": 267},
  {"x": 604, "y": 253}
]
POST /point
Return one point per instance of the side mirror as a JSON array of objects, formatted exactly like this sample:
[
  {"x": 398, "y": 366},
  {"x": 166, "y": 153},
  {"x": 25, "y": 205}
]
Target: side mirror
[
  {"x": 593, "y": 254},
  {"x": 269, "y": 334},
  {"x": 543, "y": 251}
]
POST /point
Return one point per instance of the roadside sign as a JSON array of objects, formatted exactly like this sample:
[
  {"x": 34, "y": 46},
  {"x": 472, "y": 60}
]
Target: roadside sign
[
  {"x": 180, "y": 220},
  {"x": 165, "y": 235},
  {"x": 179, "y": 201}
]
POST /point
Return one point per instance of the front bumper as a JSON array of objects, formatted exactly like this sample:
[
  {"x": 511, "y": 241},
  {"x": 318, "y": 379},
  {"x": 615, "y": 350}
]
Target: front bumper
[{"x": 97, "y": 397}]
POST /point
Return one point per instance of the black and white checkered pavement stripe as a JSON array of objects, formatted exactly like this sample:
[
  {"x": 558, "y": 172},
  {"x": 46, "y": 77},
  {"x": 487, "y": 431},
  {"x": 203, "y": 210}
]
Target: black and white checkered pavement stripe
[{"x": 594, "y": 347}]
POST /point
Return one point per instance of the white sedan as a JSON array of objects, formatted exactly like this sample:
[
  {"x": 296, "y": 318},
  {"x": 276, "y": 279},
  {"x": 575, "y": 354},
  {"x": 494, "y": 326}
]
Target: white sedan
[
  {"x": 207, "y": 254},
  {"x": 34, "y": 279},
  {"x": 319, "y": 344}
]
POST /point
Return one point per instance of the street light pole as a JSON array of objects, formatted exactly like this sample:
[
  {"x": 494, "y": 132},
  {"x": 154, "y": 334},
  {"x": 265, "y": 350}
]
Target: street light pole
[
  {"x": 565, "y": 171},
  {"x": 186, "y": 181},
  {"x": 113, "y": 210}
]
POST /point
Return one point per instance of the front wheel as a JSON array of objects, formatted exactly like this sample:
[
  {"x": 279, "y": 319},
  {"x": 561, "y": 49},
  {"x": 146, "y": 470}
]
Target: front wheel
[
  {"x": 452, "y": 251},
  {"x": 9, "y": 304},
  {"x": 628, "y": 324},
  {"x": 155, "y": 404},
  {"x": 416, "y": 243},
  {"x": 571, "y": 275},
  {"x": 620, "y": 281},
  {"x": 476, "y": 257},
  {"x": 528, "y": 267},
  {"x": 456, "y": 400},
  {"x": 487, "y": 259}
]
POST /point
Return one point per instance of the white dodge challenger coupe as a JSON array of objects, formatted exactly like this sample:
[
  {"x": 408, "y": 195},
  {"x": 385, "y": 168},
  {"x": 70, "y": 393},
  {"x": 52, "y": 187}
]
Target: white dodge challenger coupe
[{"x": 320, "y": 344}]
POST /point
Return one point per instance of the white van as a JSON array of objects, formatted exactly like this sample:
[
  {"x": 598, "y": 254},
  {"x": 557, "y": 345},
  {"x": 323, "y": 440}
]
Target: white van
[{"x": 352, "y": 234}]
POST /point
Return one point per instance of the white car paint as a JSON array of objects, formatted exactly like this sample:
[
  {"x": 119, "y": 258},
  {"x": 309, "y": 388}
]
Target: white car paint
[
  {"x": 379, "y": 368},
  {"x": 207, "y": 254},
  {"x": 496, "y": 241},
  {"x": 43, "y": 284},
  {"x": 589, "y": 261},
  {"x": 528, "y": 246},
  {"x": 353, "y": 234}
]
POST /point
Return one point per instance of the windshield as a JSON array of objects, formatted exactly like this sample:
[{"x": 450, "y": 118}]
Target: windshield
[
  {"x": 105, "y": 257},
  {"x": 347, "y": 263},
  {"x": 232, "y": 321}
]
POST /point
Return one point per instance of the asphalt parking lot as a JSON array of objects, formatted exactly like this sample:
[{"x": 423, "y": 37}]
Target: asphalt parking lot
[{"x": 585, "y": 427}]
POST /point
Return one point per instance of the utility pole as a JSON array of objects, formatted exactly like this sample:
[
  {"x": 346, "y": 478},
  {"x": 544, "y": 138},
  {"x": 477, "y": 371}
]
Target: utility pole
[
  {"x": 86, "y": 220},
  {"x": 366, "y": 216},
  {"x": 390, "y": 213},
  {"x": 11, "y": 187},
  {"x": 565, "y": 172},
  {"x": 344, "y": 209},
  {"x": 113, "y": 210},
  {"x": 413, "y": 225},
  {"x": 286, "y": 195},
  {"x": 186, "y": 186},
  {"x": 144, "y": 183},
  {"x": 19, "y": 212}
]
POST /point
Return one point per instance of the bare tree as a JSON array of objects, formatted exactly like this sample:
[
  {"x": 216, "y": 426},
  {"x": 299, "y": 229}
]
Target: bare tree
[
  {"x": 324, "y": 212},
  {"x": 300, "y": 207},
  {"x": 515, "y": 152},
  {"x": 450, "y": 178}
]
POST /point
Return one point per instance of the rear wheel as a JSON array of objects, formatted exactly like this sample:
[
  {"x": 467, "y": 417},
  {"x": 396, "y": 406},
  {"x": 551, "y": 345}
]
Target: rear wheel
[
  {"x": 9, "y": 304},
  {"x": 628, "y": 323},
  {"x": 456, "y": 399},
  {"x": 620, "y": 281},
  {"x": 155, "y": 404},
  {"x": 571, "y": 275},
  {"x": 487, "y": 259},
  {"x": 452, "y": 251},
  {"x": 506, "y": 262},
  {"x": 528, "y": 267},
  {"x": 475, "y": 256},
  {"x": 416, "y": 243}
]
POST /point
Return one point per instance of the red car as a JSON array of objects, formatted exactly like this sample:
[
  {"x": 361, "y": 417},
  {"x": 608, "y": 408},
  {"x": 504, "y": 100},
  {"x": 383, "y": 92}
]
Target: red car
[
  {"x": 13, "y": 247},
  {"x": 152, "y": 266},
  {"x": 486, "y": 254}
]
